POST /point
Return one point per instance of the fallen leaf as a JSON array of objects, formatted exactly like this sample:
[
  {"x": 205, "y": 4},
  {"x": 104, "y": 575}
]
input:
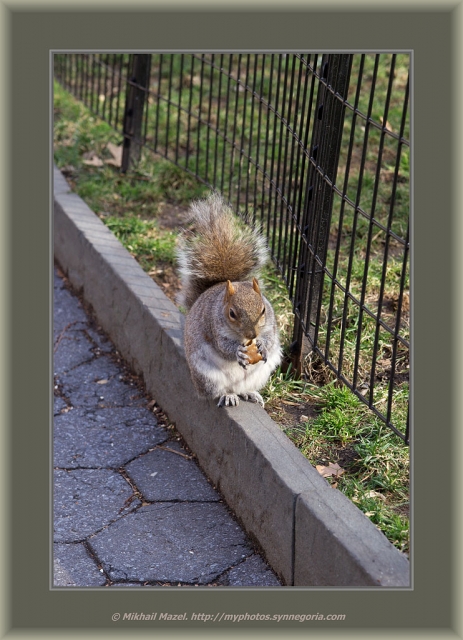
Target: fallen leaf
[
  {"x": 116, "y": 152},
  {"x": 92, "y": 160},
  {"x": 333, "y": 469},
  {"x": 104, "y": 381},
  {"x": 388, "y": 125},
  {"x": 69, "y": 142},
  {"x": 375, "y": 494}
]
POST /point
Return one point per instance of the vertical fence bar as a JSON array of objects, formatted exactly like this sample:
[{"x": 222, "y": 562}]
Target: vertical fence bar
[
  {"x": 266, "y": 152},
  {"x": 285, "y": 199},
  {"x": 200, "y": 110},
  {"x": 272, "y": 181},
  {"x": 179, "y": 107},
  {"x": 304, "y": 128},
  {"x": 137, "y": 87},
  {"x": 209, "y": 114},
  {"x": 119, "y": 85},
  {"x": 324, "y": 157},
  {"x": 259, "y": 135},
  {"x": 218, "y": 129},
  {"x": 234, "y": 144},
  {"x": 240, "y": 146},
  {"x": 251, "y": 129},
  {"x": 225, "y": 126},
  {"x": 169, "y": 102}
]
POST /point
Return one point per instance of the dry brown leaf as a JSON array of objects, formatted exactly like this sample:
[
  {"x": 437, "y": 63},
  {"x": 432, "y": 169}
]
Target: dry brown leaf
[
  {"x": 92, "y": 160},
  {"x": 375, "y": 494},
  {"x": 116, "y": 152},
  {"x": 333, "y": 469},
  {"x": 388, "y": 124}
]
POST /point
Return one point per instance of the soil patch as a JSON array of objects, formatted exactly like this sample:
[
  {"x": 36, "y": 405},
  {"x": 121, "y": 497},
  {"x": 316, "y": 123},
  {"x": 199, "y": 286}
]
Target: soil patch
[{"x": 171, "y": 215}]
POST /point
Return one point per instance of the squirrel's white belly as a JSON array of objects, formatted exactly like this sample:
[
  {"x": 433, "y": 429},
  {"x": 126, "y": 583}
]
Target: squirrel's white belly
[{"x": 226, "y": 376}]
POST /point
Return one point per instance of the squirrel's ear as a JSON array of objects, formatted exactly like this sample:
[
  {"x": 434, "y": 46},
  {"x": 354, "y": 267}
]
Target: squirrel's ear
[
  {"x": 255, "y": 286},
  {"x": 229, "y": 291}
]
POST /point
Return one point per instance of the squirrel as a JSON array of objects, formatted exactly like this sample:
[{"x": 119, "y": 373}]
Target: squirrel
[{"x": 231, "y": 336}]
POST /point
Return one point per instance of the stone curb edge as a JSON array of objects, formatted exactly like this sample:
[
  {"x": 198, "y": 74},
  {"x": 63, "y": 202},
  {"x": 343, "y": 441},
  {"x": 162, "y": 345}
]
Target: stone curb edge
[{"x": 311, "y": 534}]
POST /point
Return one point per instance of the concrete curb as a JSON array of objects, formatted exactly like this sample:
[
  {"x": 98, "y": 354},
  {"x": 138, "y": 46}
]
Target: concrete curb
[{"x": 311, "y": 534}]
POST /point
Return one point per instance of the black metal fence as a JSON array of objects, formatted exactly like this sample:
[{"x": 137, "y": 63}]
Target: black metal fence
[{"x": 316, "y": 146}]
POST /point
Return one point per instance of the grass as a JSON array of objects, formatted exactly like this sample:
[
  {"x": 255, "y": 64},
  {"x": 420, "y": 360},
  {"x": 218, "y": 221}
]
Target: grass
[
  {"x": 373, "y": 461},
  {"x": 325, "y": 420},
  {"x": 144, "y": 239}
]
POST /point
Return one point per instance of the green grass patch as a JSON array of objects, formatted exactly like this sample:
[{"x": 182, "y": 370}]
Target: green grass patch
[
  {"x": 144, "y": 239},
  {"x": 374, "y": 462}
]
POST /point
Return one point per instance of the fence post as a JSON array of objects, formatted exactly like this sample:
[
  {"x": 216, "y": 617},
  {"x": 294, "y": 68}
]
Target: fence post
[
  {"x": 315, "y": 227},
  {"x": 136, "y": 91}
]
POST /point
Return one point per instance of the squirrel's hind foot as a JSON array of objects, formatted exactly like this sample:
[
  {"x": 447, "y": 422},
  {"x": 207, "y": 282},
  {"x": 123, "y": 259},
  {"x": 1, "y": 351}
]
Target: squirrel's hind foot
[
  {"x": 230, "y": 400},
  {"x": 253, "y": 396}
]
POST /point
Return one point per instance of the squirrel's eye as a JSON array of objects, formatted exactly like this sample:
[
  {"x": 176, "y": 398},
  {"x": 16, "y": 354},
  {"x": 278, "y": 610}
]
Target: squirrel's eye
[
  {"x": 232, "y": 314},
  {"x": 262, "y": 312}
]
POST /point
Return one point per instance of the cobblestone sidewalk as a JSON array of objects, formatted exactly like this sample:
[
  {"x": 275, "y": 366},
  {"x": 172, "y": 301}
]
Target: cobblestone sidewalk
[{"x": 131, "y": 506}]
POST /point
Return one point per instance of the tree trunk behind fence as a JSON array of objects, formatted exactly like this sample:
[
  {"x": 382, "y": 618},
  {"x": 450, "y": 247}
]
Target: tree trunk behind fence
[
  {"x": 136, "y": 94},
  {"x": 316, "y": 220}
]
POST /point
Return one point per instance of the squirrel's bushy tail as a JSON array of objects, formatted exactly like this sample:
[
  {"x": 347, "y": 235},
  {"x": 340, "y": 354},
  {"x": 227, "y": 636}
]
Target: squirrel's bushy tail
[{"x": 220, "y": 248}]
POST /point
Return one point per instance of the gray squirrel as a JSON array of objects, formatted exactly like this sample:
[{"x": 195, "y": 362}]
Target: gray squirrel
[{"x": 231, "y": 336}]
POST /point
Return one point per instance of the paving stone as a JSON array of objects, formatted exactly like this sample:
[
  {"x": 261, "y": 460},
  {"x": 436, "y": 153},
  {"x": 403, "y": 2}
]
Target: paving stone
[
  {"x": 253, "y": 572},
  {"x": 104, "y": 437},
  {"x": 162, "y": 475},
  {"x": 74, "y": 567},
  {"x": 171, "y": 542},
  {"x": 99, "y": 426},
  {"x": 85, "y": 500},
  {"x": 97, "y": 384},
  {"x": 73, "y": 349}
]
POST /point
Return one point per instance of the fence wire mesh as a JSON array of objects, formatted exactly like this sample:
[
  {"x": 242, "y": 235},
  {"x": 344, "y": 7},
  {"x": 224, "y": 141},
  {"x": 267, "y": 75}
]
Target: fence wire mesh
[{"x": 316, "y": 147}]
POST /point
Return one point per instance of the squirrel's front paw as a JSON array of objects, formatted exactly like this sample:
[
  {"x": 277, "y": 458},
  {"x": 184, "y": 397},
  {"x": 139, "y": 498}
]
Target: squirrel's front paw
[
  {"x": 242, "y": 356},
  {"x": 230, "y": 400},
  {"x": 262, "y": 349},
  {"x": 253, "y": 396}
]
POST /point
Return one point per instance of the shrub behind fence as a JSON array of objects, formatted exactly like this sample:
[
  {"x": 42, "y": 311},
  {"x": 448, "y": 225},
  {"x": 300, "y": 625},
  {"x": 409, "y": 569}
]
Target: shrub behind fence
[{"x": 316, "y": 148}]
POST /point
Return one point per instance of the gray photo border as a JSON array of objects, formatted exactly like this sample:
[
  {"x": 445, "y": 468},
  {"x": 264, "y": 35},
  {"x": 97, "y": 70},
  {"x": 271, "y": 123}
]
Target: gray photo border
[{"x": 30, "y": 32}]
